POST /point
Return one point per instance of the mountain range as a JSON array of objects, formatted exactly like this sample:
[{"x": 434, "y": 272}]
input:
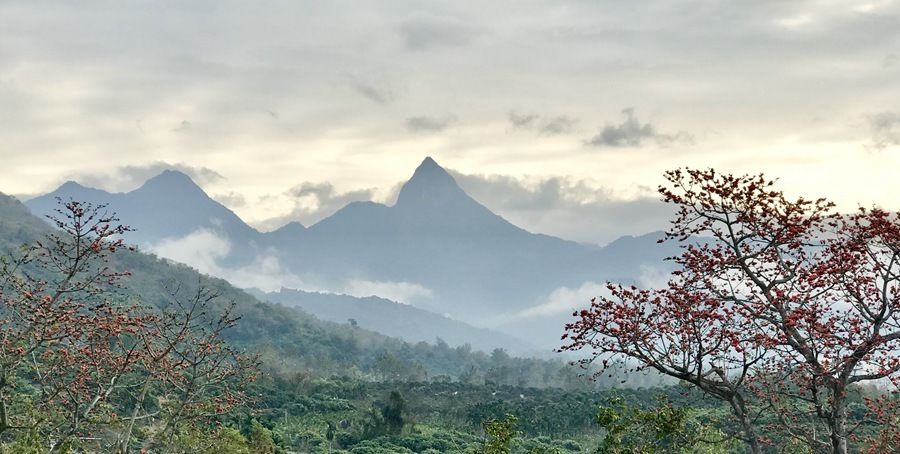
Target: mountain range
[
  {"x": 436, "y": 249},
  {"x": 288, "y": 340}
]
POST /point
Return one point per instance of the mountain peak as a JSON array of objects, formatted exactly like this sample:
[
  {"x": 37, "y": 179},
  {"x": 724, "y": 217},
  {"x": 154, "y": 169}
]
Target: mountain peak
[
  {"x": 429, "y": 168},
  {"x": 170, "y": 175},
  {"x": 70, "y": 185},
  {"x": 171, "y": 181},
  {"x": 430, "y": 184},
  {"x": 73, "y": 190}
]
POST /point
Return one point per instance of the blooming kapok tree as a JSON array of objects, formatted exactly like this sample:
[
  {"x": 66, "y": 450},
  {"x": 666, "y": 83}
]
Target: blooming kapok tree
[
  {"x": 778, "y": 305},
  {"x": 188, "y": 365},
  {"x": 63, "y": 346},
  {"x": 74, "y": 357}
]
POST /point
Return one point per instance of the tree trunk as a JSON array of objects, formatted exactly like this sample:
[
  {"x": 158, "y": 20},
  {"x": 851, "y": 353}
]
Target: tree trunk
[
  {"x": 739, "y": 408},
  {"x": 839, "y": 435},
  {"x": 839, "y": 423},
  {"x": 752, "y": 439},
  {"x": 126, "y": 438}
]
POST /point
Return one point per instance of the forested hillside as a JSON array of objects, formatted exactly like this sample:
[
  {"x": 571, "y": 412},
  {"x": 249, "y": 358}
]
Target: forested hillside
[
  {"x": 291, "y": 340},
  {"x": 320, "y": 379}
]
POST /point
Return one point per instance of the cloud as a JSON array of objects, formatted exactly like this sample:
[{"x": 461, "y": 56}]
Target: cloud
[
  {"x": 231, "y": 199},
  {"x": 564, "y": 300},
  {"x": 430, "y": 124},
  {"x": 558, "y": 125},
  {"x": 575, "y": 209},
  {"x": 374, "y": 94},
  {"x": 428, "y": 32},
  {"x": 73, "y": 100},
  {"x": 128, "y": 177},
  {"x": 401, "y": 292},
  {"x": 314, "y": 201},
  {"x": 891, "y": 60},
  {"x": 183, "y": 126},
  {"x": 552, "y": 125},
  {"x": 633, "y": 133},
  {"x": 379, "y": 93},
  {"x": 571, "y": 208},
  {"x": 325, "y": 198},
  {"x": 203, "y": 250},
  {"x": 525, "y": 121},
  {"x": 885, "y": 128}
]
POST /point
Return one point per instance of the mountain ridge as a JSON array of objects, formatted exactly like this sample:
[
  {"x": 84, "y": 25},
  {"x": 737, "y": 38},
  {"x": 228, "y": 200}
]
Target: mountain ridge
[{"x": 464, "y": 260}]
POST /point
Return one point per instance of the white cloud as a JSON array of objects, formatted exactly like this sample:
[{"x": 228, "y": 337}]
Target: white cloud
[
  {"x": 401, "y": 292},
  {"x": 129, "y": 177},
  {"x": 275, "y": 94},
  {"x": 575, "y": 209},
  {"x": 203, "y": 250},
  {"x": 565, "y": 300}
]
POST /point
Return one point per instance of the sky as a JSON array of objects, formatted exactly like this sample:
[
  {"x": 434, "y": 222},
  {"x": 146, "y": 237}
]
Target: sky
[{"x": 560, "y": 115}]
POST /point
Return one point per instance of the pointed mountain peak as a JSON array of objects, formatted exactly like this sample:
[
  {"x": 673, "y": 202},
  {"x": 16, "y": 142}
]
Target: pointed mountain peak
[
  {"x": 429, "y": 162},
  {"x": 170, "y": 181},
  {"x": 430, "y": 184},
  {"x": 172, "y": 176},
  {"x": 74, "y": 190},
  {"x": 429, "y": 168},
  {"x": 70, "y": 185}
]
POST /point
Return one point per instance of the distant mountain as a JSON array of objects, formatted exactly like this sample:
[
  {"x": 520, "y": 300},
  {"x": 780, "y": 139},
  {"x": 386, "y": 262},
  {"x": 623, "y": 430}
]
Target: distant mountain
[
  {"x": 166, "y": 207},
  {"x": 477, "y": 265},
  {"x": 287, "y": 339},
  {"x": 458, "y": 257},
  {"x": 394, "y": 319}
]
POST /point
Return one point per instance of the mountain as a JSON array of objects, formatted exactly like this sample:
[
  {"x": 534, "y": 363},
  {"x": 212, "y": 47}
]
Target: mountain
[
  {"x": 166, "y": 207},
  {"x": 477, "y": 266},
  {"x": 288, "y": 340},
  {"x": 394, "y": 319},
  {"x": 436, "y": 248}
]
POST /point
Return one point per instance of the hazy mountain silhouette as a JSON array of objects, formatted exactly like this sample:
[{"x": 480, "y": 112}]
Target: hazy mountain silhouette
[
  {"x": 477, "y": 264},
  {"x": 288, "y": 336},
  {"x": 473, "y": 264},
  {"x": 167, "y": 206}
]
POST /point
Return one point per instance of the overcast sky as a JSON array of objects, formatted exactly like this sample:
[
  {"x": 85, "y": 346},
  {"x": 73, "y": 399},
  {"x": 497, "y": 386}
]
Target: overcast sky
[{"x": 561, "y": 115}]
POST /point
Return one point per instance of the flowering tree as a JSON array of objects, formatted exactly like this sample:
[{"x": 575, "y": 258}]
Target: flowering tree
[
  {"x": 63, "y": 346},
  {"x": 778, "y": 305},
  {"x": 187, "y": 364},
  {"x": 74, "y": 355}
]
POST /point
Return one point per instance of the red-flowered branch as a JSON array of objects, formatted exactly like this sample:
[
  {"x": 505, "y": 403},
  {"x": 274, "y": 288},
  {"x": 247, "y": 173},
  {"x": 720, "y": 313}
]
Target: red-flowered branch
[
  {"x": 70, "y": 342},
  {"x": 778, "y": 305}
]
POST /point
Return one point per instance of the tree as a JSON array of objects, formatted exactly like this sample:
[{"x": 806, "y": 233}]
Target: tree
[
  {"x": 777, "y": 304},
  {"x": 663, "y": 428},
  {"x": 393, "y": 413},
  {"x": 499, "y": 434},
  {"x": 260, "y": 439},
  {"x": 187, "y": 364},
  {"x": 75, "y": 355},
  {"x": 329, "y": 435},
  {"x": 64, "y": 344}
]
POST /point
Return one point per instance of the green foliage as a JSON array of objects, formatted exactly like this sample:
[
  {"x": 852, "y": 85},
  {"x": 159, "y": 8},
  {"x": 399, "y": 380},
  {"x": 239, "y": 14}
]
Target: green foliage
[
  {"x": 30, "y": 442},
  {"x": 211, "y": 441},
  {"x": 392, "y": 413},
  {"x": 260, "y": 440},
  {"x": 499, "y": 434},
  {"x": 664, "y": 428}
]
